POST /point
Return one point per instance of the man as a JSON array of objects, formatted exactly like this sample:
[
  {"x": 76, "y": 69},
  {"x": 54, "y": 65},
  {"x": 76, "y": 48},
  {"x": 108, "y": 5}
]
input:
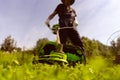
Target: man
[{"x": 67, "y": 23}]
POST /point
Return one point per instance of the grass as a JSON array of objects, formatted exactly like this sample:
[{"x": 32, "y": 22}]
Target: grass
[{"x": 18, "y": 66}]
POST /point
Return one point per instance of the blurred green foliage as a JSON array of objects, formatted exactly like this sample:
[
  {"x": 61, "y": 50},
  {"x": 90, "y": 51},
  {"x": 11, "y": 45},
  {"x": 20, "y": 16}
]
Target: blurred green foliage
[
  {"x": 100, "y": 66},
  {"x": 12, "y": 67}
]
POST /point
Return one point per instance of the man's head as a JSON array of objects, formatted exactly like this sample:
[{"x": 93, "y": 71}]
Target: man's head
[{"x": 68, "y": 2}]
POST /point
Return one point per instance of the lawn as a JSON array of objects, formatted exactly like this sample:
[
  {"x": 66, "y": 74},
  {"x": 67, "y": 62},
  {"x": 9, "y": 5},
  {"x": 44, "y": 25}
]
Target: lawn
[{"x": 18, "y": 66}]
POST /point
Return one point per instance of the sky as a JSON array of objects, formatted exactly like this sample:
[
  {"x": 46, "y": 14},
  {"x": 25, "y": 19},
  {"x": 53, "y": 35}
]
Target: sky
[{"x": 25, "y": 20}]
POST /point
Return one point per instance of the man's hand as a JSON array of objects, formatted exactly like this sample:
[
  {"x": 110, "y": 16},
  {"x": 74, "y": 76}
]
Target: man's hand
[
  {"x": 75, "y": 22},
  {"x": 47, "y": 22}
]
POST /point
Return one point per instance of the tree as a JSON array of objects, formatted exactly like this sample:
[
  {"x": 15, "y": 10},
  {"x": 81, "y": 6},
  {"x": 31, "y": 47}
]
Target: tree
[
  {"x": 95, "y": 48},
  {"x": 91, "y": 46},
  {"x": 115, "y": 47},
  {"x": 9, "y": 44}
]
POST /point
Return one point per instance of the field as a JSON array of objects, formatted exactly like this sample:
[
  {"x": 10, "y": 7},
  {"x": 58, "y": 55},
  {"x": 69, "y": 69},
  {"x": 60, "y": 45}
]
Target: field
[{"x": 18, "y": 66}]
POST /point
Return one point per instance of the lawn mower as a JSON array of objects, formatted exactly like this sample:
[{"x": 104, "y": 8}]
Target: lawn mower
[{"x": 54, "y": 52}]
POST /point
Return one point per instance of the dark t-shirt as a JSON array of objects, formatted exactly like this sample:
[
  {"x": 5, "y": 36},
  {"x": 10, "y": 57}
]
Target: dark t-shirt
[{"x": 66, "y": 16}]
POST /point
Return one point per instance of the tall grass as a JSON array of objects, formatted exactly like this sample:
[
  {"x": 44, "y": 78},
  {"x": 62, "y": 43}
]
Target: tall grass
[{"x": 18, "y": 66}]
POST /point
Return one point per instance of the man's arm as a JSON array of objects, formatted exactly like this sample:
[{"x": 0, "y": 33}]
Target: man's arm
[
  {"x": 52, "y": 15},
  {"x": 75, "y": 22},
  {"x": 49, "y": 18}
]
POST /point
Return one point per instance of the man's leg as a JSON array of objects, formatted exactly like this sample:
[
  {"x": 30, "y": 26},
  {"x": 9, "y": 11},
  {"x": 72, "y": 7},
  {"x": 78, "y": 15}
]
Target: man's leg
[
  {"x": 63, "y": 38},
  {"x": 76, "y": 40}
]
